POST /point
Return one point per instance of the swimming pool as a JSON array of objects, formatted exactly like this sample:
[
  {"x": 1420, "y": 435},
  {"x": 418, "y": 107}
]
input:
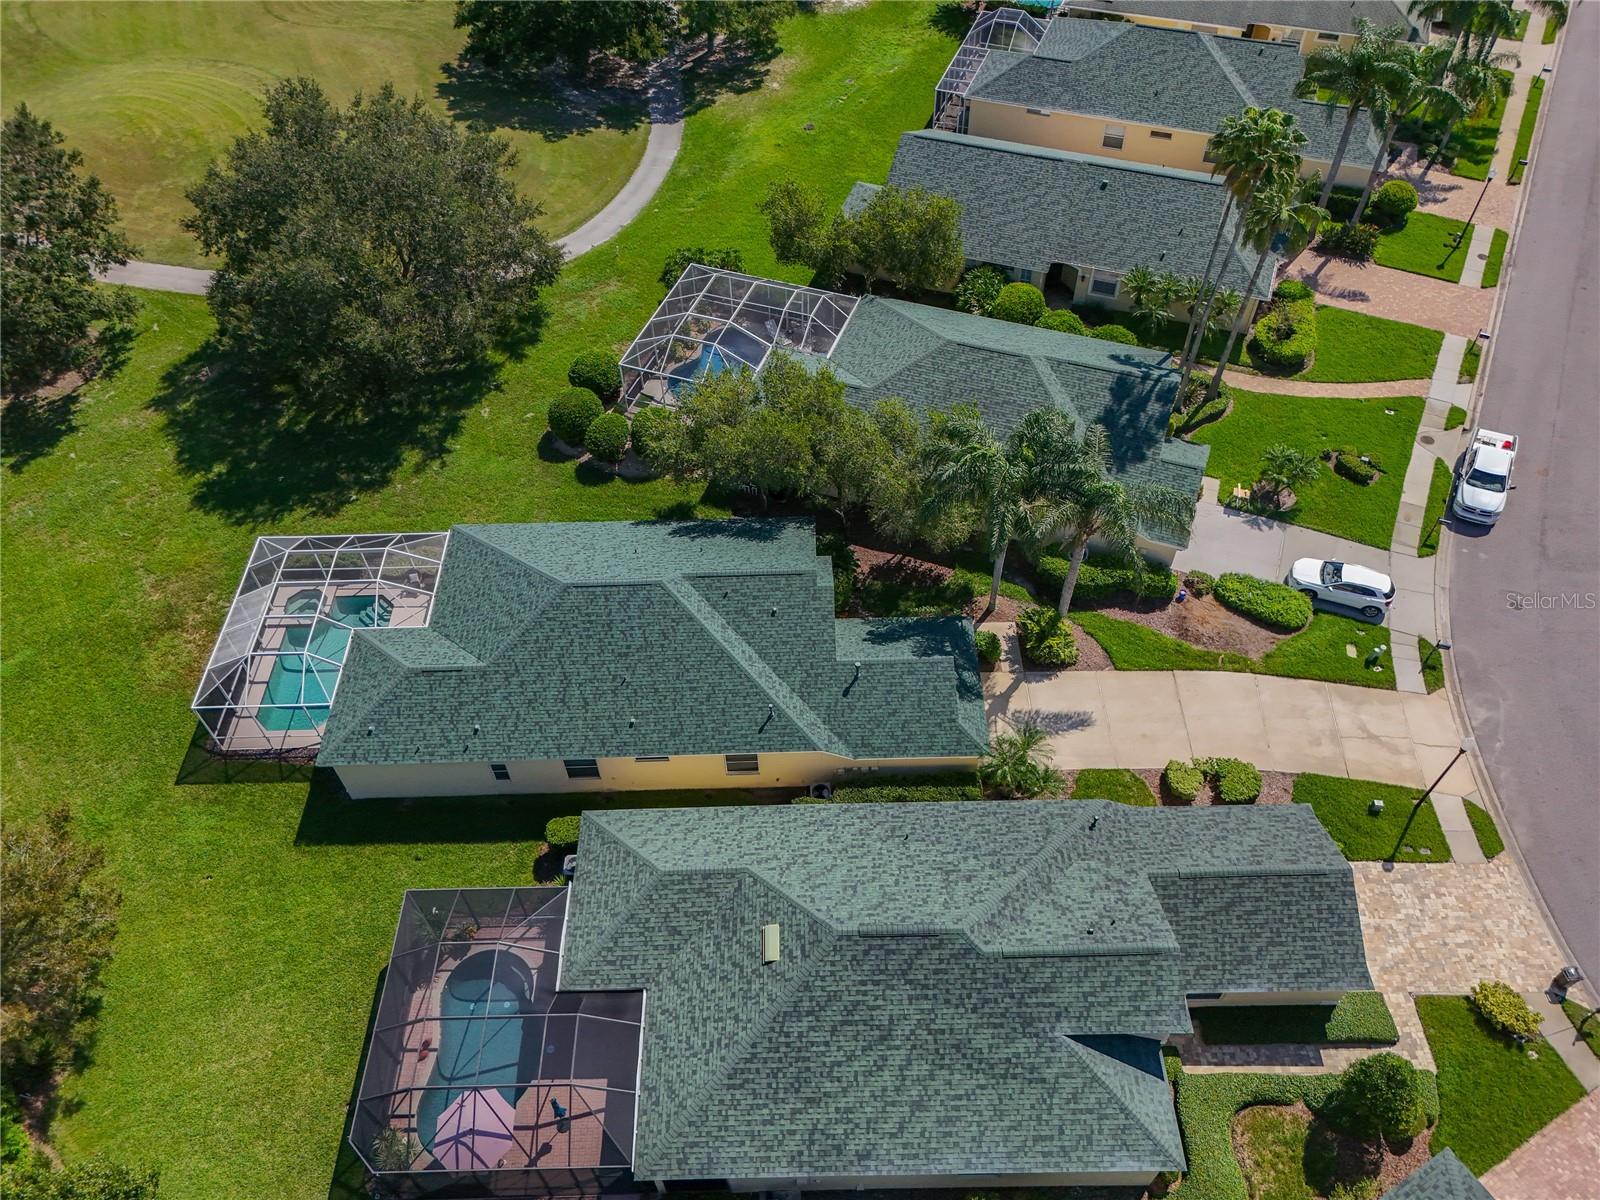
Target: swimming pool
[
  {"x": 486, "y": 1052},
  {"x": 709, "y": 361},
  {"x": 298, "y": 680}
]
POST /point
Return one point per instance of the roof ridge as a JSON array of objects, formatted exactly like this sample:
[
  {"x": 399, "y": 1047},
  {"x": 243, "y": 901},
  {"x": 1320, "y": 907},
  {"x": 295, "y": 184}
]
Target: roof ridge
[
  {"x": 467, "y": 531},
  {"x": 1234, "y": 77},
  {"x": 755, "y": 666},
  {"x": 1023, "y": 874},
  {"x": 1077, "y": 157},
  {"x": 1091, "y": 1059}
]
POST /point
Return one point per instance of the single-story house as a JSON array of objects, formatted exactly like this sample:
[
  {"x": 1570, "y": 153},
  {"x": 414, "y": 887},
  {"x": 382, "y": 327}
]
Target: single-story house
[
  {"x": 839, "y": 996},
  {"x": 1307, "y": 24},
  {"x": 932, "y": 358},
  {"x": 1077, "y": 222},
  {"x": 1134, "y": 93},
  {"x": 598, "y": 656}
]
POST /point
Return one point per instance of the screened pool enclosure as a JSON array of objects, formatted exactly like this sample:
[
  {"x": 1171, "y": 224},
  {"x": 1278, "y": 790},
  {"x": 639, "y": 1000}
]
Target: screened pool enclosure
[
  {"x": 274, "y": 670},
  {"x": 714, "y": 320},
  {"x": 997, "y": 29},
  {"x": 481, "y": 1079}
]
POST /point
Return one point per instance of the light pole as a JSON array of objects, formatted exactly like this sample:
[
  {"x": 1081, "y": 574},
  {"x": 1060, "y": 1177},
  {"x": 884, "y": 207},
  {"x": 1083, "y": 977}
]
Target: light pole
[
  {"x": 1437, "y": 646},
  {"x": 1463, "y": 231},
  {"x": 1467, "y": 746}
]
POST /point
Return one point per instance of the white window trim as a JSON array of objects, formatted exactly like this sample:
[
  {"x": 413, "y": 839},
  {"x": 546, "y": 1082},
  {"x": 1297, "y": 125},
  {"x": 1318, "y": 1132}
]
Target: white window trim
[
  {"x": 1119, "y": 132},
  {"x": 1098, "y": 276},
  {"x": 754, "y": 761}
]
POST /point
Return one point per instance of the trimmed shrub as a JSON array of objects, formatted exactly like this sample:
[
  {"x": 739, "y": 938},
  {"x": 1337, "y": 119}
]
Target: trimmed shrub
[
  {"x": 979, "y": 288},
  {"x": 598, "y": 371},
  {"x": 1199, "y": 583},
  {"x": 1117, "y": 784},
  {"x": 1020, "y": 303},
  {"x": 1102, "y": 577},
  {"x": 1046, "y": 637},
  {"x": 1275, "y": 605},
  {"x": 1353, "y": 243},
  {"x": 651, "y": 426},
  {"x": 1342, "y": 203},
  {"x": 1183, "y": 779},
  {"x": 562, "y": 831},
  {"x": 1380, "y": 1096},
  {"x": 1291, "y": 290},
  {"x": 571, "y": 414},
  {"x": 902, "y": 789},
  {"x": 1500, "y": 1005},
  {"x": 1063, "y": 320},
  {"x": 1362, "y": 1017},
  {"x": 1348, "y": 463},
  {"x": 607, "y": 437},
  {"x": 989, "y": 648},
  {"x": 1393, "y": 202},
  {"x": 1115, "y": 333},
  {"x": 1285, "y": 338},
  {"x": 1237, "y": 781},
  {"x": 727, "y": 258},
  {"x": 845, "y": 566}
]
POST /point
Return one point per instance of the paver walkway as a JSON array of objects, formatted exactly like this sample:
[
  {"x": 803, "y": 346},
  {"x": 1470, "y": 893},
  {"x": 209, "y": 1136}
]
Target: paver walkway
[
  {"x": 1275, "y": 386},
  {"x": 1398, "y": 295},
  {"x": 1560, "y": 1162},
  {"x": 1447, "y": 195}
]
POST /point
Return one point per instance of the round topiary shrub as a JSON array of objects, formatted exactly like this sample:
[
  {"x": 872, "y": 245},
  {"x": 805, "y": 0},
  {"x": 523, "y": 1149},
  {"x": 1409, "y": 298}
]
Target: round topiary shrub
[
  {"x": 1394, "y": 202},
  {"x": 979, "y": 288},
  {"x": 562, "y": 831},
  {"x": 1237, "y": 781},
  {"x": 1380, "y": 1096},
  {"x": 571, "y": 413},
  {"x": 1020, "y": 303},
  {"x": 1063, "y": 320},
  {"x": 607, "y": 437},
  {"x": 1115, "y": 333},
  {"x": 598, "y": 371},
  {"x": 1292, "y": 290},
  {"x": 653, "y": 425},
  {"x": 1183, "y": 780}
]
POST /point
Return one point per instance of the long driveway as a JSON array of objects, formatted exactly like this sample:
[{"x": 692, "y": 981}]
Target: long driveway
[{"x": 1530, "y": 675}]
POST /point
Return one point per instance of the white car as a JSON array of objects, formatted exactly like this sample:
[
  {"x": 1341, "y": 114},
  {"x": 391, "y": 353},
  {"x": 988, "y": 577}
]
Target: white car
[
  {"x": 1348, "y": 584},
  {"x": 1484, "y": 479}
]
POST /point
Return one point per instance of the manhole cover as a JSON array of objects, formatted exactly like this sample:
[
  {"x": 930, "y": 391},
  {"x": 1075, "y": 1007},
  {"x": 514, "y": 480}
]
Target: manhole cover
[{"x": 1426, "y": 439}]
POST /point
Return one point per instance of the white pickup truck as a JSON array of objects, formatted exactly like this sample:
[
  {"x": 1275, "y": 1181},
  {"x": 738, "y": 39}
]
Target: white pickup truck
[{"x": 1484, "y": 477}]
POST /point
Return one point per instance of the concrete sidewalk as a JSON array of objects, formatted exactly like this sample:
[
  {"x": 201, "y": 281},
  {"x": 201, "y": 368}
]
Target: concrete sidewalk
[{"x": 1143, "y": 719}]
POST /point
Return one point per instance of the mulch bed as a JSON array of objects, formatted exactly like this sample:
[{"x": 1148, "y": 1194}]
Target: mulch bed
[
  {"x": 1091, "y": 657},
  {"x": 1353, "y": 1157},
  {"x": 1203, "y": 622},
  {"x": 885, "y": 566}
]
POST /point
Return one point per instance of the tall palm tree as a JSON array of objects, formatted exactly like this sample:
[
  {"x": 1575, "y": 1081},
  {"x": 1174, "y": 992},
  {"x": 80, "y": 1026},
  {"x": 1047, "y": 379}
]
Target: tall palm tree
[
  {"x": 1283, "y": 211},
  {"x": 1357, "y": 75},
  {"x": 1473, "y": 86},
  {"x": 1011, "y": 484},
  {"x": 1417, "y": 82},
  {"x": 1493, "y": 20},
  {"x": 1247, "y": 149},
  {"x": 1556, "y": 10},
  {"x": 1088, "y": 504}
]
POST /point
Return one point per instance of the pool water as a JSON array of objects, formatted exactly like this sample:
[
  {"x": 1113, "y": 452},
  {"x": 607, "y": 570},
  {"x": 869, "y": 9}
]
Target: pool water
[
  {"x": 299, "y": 680},
  {"x": 486, "y": 1052},
  {"x": 708, "y": 362}
]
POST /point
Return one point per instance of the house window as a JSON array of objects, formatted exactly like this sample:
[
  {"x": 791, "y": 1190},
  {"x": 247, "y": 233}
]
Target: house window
[
  {"x": 1112, "y": 138},
  {"x": 1293, "y": 35},
  {"x": 652, "y": 758},
  {"x": 1327, "y": 37},
  {"x": 1103, "y": 285},
  {"x": 1206, "y": 155},
  {"x": 1161, "y": 135},
  {"x": 743, "y": 764},
  {"x": 499, "y": 771},
  {"x": 581, "y": 768},
  {"x": 1038, "y": 112}
]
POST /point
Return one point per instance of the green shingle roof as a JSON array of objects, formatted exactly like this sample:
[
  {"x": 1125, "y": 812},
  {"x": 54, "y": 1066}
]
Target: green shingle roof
[
  {"x": 618, "y": 639},
  {"x": 1444, "y": 1177},
  {"x": 1172, "y": 78},
  {"x": 962, "y": 988},
  {"x": 935, "y": 358},
  {"x": 1332, "y": 16},
  {"x": 1117, "y": 216}
]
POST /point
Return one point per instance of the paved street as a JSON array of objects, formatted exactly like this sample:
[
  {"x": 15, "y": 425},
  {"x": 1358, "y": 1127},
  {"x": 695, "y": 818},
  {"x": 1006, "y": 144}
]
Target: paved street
[{"x": 1531, "y": 675}]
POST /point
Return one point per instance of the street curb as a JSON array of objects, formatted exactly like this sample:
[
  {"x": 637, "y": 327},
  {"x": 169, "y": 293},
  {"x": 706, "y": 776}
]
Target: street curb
[{"x": 1441, "y": 587}]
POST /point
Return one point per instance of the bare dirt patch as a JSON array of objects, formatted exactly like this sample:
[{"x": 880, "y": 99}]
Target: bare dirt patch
[{"x": 1203, "y": 622}]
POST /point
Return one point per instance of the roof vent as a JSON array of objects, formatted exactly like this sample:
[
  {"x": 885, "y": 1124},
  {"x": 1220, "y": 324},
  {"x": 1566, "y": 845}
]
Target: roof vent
[
  {"x": 477, "y": 728},
  {"x": 1104, "y": 184},
  {"x": 769, "y": 943}
]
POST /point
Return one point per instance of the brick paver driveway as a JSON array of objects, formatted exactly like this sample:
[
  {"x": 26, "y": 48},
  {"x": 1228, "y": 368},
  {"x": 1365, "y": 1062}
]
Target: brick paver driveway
[
  {"x": 1560, "y": 1162},
  {"x": 1398, "y": 295}
]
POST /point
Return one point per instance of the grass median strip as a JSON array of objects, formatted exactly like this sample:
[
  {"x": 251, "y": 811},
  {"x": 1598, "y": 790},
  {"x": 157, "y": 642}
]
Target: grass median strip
[
  {"x": 1438, "y": 497},
  {"x": 1432, "y": 665},
  {"x": 1530, "y": 117},
  {"x": 1355, "y": 347},
  {"x": 1497, "y": 257},
  {"x": 1484, "y": 828}
]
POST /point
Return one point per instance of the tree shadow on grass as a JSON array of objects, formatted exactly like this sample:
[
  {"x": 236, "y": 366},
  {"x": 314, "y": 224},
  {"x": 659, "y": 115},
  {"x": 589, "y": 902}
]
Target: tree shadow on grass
[
  {"x": 547, "y": 102},
  {"x": 31, "y": 427},
  {"x": 256, "y": 455},
  {"x": 731, "y": 69},
  {"x": 953, "y": 19},
  {"x": 350, "y": 1179}
]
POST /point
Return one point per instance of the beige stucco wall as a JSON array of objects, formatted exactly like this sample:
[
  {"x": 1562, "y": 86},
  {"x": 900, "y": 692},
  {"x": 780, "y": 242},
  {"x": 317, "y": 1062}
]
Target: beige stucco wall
[
  {"x": 1082, "y": 134},
  {"x": 831, "y": 1183},
  {"x": 1238, "y": 999},
  {"x": 622, "y": 774},
  {"x": 1266, "y": 33}
]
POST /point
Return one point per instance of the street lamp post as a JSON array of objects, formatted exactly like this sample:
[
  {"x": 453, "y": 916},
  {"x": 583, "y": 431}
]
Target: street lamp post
[
  {"x": 1485, "y": 191},
  {"x": 1467, "y": 746}
]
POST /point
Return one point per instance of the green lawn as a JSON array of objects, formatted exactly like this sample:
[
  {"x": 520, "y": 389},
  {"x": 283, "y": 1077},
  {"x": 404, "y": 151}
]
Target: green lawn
[
  {"x": 1457, "y": 416},
  {"x": 151, "y": 92},
  {"x": 1591, "y": 1033},
  {"x": 1316, "y": 652},
  {"x": 1432, "y": 664},
  {"x": 1112, "y": 783},
  {"x": 1400, "y": 833},
  {"x": 1354, "y": 347},
  {"x": 1550, "y": 31},
  {"x": 1359, "y": 1017},
  {"x": 254, "y": 925},
  {"x": 1474, "y": 141},
  {"x": 1492, "y": 1096},
  {"x": 1530, "y": 116},
  {"x": 1470, "y": 361},
  {"x": 1484, "y": 830},
  {"x": 1438, "y": 496},
  {"x": 1497, "y": 256},
  {"x": 1330, "y": 502},
  {"x": 1425, "y": 245}
]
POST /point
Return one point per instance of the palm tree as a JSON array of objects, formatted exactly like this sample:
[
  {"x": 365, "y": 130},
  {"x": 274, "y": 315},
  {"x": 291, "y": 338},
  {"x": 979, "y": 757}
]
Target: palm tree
[
  {"x": 1556, "y": 10},
  {"x": 1010, "y": 484},
  {"x": 1473, "y": 87},
  {"x": 1417, "y": 83},
  {"x": 1284, "y": 468},
  {"x": 1089, "y": 505},
  {"x": 1152, "y": 294},
  {"x": 1249, "y": 148},
  {"x": 1282, "y": 210},
  {"x": 1018, "y": 764},
  {"x": 1356, "y": 75},
  {"x": 1493, "y": 20}
]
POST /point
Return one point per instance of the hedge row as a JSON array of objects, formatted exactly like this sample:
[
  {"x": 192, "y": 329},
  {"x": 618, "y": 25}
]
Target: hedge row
[
  {"x": 903, "y": 789},
  {"x": 1359, "y": 1018},
  {"x": 1102, "y": 577},
  {"x": 1275, "y": 605},
  {"x": 1237, "y": 782},
  {"x": 1286, "y": 337}
]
